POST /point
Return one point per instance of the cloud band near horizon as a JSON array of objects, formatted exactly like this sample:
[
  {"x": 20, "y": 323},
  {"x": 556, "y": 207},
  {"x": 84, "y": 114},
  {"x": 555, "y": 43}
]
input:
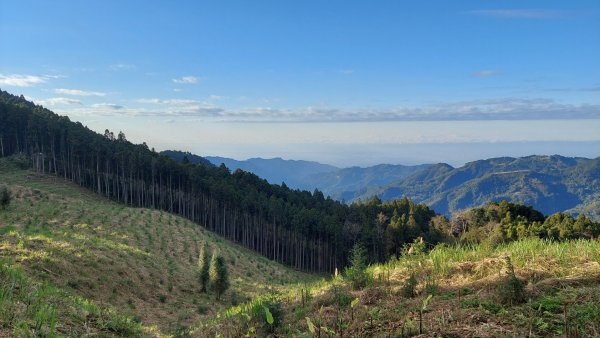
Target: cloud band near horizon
[{"x": 473, "y": 110}]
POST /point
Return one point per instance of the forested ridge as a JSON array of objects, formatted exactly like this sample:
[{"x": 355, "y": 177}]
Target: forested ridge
[
  {"x": 301, "y": 229},
  {"x": 548, "y": 183}
]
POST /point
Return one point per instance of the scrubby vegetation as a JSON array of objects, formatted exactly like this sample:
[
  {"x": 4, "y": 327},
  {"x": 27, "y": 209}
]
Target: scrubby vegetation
[
  {"x": 529, "y": 287},
  {"x": 35, "y": 309},
  {"x": 73, "y": 263}
]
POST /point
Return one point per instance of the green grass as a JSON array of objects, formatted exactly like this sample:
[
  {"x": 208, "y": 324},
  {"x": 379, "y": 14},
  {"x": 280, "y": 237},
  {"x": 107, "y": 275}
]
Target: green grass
[
  {"x": 465, "y": 283},
  {"x": 32, "y": 309},
  {"x": 139, "y": 262}
]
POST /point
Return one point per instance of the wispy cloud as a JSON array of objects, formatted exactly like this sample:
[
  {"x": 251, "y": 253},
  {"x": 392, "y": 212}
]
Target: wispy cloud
[
  {"x": 347, "y": 71},
  {"x": 487, "y": 73},
  {"x": 216, "y": 97},
  {"x": 475, "y": 110},
  {"x": 77, "y": 92},
  {"x": 110, "y": 106},
  {"x": 18, "y": 80},
  {"x": 186, "y": 80},
  {"x": 180, "y": 107},
  {"x": 55, "y": 101},
  {"x": 121, "y": 66},
  {"x": 517, "y": 13},
  {"x": 176, "y": 102}
]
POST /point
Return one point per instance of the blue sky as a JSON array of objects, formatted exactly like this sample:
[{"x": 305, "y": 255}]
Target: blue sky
[{"x": 343, "y": 82}]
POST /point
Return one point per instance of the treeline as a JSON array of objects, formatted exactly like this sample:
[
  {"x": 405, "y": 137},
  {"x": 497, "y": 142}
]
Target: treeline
[
  {"x": 505, "y": 221},
  {"x": 298, "y": 228}
]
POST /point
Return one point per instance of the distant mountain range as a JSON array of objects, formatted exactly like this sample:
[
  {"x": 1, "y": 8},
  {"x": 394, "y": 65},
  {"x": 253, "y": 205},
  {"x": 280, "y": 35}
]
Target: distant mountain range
[
  {"x": 296, "y": 174},
  {"x": 548, "y": 183},
  {"x": 350, "y": 184}
]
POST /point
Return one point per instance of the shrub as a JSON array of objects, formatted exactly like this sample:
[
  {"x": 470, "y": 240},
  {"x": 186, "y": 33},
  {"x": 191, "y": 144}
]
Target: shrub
[
  {"x": 410, "y": 286},
  {"x": 21, "y": 161},
  {"x": 511, "y": 290},
  {"x": 356, "y": 273},
  {"x": 338, "y": 296},
  {"x": 551, "y": 304},
  {"x": 121, "y": 325},
  {"x": 273, "y": 315},
  {"x": 431, "y": 286},
  {"x": 202, "y": 309},
  {"x": 4, "y": 198}
]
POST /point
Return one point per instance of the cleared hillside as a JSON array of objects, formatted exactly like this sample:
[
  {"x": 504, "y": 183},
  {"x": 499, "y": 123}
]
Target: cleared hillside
[
  {"x": 462, "y": 291},
  {"x": 140, "y": 262}
]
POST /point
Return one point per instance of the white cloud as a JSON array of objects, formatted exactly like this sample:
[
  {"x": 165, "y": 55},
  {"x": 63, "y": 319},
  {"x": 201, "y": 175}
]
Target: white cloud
[
  {"x": 55, "y": 76},
  {"x": 347, "y": 71},
  {"x": 18, "y": 80},
  {"x": 186, "y": 80},
  {"x": 55, "y": 101},
  {"x": 121, "y": 66},
  {"x": 517, "y": 13},
  {"x": 487, "y": 73},
  {"x": 474, "y": 110},
  {"x": 77, "y": 92},
  {"x": 110, "y": 106},
  {"x": 216, "y": 97},
  {"x": 178, "y": 102}
]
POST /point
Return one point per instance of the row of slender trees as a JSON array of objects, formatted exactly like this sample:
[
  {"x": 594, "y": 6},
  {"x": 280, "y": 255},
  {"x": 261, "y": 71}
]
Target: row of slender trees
[{"x": 301, "y": 229}]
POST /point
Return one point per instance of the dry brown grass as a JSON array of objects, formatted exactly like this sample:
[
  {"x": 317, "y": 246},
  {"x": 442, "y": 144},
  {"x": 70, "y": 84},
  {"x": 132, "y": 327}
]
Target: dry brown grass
[{"x": 466, "y": 301}]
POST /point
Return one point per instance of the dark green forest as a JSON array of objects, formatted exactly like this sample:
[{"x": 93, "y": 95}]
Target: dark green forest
[{"x": 302, "y": 229}]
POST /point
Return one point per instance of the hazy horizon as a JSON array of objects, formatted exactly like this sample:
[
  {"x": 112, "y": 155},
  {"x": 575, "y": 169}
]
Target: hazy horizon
[{"x": 475, "y": 151}]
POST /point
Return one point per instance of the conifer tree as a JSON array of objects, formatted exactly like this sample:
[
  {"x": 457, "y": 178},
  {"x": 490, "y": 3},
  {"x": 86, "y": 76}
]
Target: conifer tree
[
  {"x": 219, "y": 277},
  {"x": 356, "y": 272},
  {"x": 203, "y": 267}
]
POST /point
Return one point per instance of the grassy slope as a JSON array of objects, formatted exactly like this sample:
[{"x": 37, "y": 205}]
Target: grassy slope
[
  {"x": 78, "y": 247},
  {"x": 466, "y": 284},
  {"x": 466, "y": 298}
]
